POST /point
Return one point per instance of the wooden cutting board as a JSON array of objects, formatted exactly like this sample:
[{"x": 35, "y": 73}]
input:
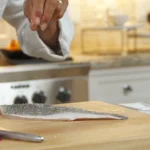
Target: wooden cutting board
[{"x": 131, "y": 134}]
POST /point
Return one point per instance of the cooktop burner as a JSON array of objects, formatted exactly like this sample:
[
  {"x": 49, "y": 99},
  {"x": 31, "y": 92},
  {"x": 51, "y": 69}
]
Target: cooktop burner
[{"x": 19, "y": 58}]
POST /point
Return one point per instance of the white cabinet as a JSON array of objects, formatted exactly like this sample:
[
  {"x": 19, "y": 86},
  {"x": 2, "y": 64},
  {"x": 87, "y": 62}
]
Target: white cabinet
[{"x": 120, "y": 85}]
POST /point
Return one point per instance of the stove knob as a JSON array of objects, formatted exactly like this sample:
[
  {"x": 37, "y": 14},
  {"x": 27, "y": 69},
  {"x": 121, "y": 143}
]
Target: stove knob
[
  {"x": 20, "y": 100},
  {"x": 64, "y": 95},
  {"x": 39, "y": 98}
]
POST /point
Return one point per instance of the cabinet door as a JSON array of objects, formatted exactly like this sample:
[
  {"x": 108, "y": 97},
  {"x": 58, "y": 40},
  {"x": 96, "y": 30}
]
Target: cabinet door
[{"x": 120, "y": 88}]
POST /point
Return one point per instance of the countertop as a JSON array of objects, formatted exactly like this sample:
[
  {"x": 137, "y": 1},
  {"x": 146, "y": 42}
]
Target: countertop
[
  {"x": 114, "y": 61},
  {"x": 92, "y": 61},
  {"x": 131, "y": 134},
  {"x": 80, "y": 66}
]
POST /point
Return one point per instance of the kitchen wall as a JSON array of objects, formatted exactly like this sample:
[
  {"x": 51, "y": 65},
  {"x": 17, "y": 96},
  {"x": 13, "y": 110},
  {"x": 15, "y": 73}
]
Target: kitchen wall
[
  {"x": 7, "y": 33},
  {"x": 93, "y": 12}
]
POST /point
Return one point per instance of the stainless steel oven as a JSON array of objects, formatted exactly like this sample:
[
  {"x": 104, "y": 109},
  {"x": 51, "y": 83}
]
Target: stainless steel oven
[
  {"x": 49, "y": 91},
  {"x": 44, "y": 83}
]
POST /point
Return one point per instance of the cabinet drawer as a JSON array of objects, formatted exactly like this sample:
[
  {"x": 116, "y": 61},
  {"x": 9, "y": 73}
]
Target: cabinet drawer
[{"x": 120, "y": 89}]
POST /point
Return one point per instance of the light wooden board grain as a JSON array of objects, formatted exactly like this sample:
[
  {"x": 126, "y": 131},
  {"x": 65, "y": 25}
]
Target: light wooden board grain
[{"x": 131, "y": 134}]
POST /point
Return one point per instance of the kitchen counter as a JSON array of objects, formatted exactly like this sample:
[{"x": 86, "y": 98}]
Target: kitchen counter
[
  {"x": 113, "y": 61},
  {"x": 43, "y": 71},
  {"x": 92, "y": 61},
  {"x": 131, "y": 134},
  {"x": 80, "y": 66}
]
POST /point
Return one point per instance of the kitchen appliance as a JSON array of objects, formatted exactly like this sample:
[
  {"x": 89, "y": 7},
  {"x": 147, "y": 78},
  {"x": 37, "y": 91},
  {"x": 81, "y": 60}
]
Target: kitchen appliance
[
  {"x": 15, "y": 56},
  {"x": 34, "y": 80},
  {"x": 48, "y": 91},
  {"x": 18, "y": 57}
]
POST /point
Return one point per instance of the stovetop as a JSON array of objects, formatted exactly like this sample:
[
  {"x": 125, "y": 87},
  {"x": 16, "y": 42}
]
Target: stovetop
[
  {"x": 19, "y": 58},
  {"x": 34, "y": 61}
]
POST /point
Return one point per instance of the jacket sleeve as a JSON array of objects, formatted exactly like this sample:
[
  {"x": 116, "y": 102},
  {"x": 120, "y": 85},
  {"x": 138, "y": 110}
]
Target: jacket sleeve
[{"x": 29, "y": 40}]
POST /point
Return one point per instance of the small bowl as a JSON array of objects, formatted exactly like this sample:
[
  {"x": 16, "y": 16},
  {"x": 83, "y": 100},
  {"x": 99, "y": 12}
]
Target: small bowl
[{"x": 118, "y": 20}]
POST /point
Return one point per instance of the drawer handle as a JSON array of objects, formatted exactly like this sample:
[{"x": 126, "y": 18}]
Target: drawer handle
[{"x": 127, "y": 89}]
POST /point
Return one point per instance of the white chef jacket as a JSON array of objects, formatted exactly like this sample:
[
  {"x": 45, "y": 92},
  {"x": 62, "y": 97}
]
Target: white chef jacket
[{"x": 12, "y": 11}]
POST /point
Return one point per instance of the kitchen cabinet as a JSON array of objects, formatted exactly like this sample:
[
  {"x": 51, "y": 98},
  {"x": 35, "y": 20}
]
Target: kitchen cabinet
[{"x": 123, "y": 85}]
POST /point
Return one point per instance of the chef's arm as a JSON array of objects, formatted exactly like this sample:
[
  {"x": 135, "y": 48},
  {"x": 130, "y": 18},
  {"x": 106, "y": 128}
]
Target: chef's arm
[
  {"x": 50, "y": 37},
  {"x": 37, "y": 44}
]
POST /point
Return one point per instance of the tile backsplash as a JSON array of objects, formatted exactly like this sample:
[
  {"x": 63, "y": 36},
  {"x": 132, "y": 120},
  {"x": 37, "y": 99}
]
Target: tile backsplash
[
  {"x": 88, "y": 10},
  {"x": 94, "y": 12}
]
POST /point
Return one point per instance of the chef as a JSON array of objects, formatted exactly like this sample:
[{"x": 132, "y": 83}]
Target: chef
[{"x": 43, "y": 27}]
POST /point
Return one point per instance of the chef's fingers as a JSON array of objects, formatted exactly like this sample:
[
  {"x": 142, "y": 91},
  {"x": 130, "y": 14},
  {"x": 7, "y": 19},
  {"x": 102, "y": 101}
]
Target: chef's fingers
[
  {"x": 28, "y": 13},
  {"x": 60, "y": 11},
  {"x": 37, "y": 12},
  {"x": 49, "y": 9},
  {"x": 28, "y": 9}
]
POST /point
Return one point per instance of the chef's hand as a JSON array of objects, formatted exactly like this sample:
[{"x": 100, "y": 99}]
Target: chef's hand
[
  {"x": 43, "y": 16},
  {"x": 42, "y": 12}
]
